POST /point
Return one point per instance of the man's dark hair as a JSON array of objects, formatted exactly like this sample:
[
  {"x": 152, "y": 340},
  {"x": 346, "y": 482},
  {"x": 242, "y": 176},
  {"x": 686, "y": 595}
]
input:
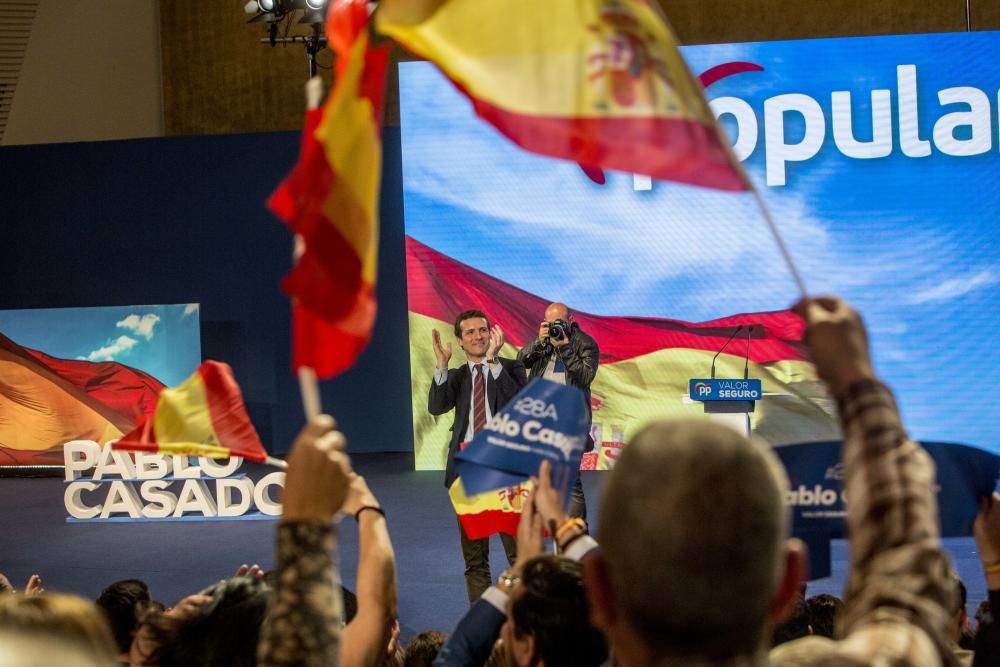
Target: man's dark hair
[
  {"x": 350, "y": 603},
  {"x": 552, "y": 608},
  {"x": 223, "y": 631},
  {"x": 468, "y": 315},
  {"x": 795, "y": 626},
  {"x": 423, "y": 648},
  {"x": 121, "y": 602},
  {"x": 823, "y": 610}
]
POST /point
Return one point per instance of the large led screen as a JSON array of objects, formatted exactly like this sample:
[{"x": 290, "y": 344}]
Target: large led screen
[{"x": 878, "y": 158}]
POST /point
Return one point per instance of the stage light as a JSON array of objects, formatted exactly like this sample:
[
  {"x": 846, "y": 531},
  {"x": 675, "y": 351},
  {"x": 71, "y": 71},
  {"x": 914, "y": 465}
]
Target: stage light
[
  {"x": 316, "y": 4},
  {"x": 266, "y": 5}
]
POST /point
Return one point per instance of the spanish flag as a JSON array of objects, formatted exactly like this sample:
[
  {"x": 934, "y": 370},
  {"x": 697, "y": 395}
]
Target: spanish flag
[
  {"x": 491, "y": 512},
  {"x": 330, "y": 201},
  {"x": 46, "y": 402},
  {"x": 599, "y": 82},
  {"x": 202, "y": 416},
  {"x": 645, "y": 362}
]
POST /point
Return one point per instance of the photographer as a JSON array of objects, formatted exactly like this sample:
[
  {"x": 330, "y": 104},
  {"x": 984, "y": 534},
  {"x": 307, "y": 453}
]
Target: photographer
[{"x": 565, "y": 354}]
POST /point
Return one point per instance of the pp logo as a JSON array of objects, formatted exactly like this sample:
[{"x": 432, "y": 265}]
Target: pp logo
[{"x": 702, "y": 388}]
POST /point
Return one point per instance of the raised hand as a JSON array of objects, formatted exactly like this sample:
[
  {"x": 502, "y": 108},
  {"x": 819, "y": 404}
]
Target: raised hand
[
  {"x": 496, "y": 342},
  {"x": 837, "y": 341},
  {"x": 34, "y": 585},
  {"x": 318, "y": 473},
  {"x": 442, "y": 352},
  {"x": 530, "y": 532},
  {"x": 358, "y": 495},
  {"x": 548, "y": 503}
]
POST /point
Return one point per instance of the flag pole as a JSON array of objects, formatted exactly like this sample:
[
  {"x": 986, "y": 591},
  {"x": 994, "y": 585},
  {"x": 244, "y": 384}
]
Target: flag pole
[{"x": 309, "y": 388}]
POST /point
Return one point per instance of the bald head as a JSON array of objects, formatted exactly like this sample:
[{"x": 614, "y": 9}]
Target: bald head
[{"x": 557, "y": 311}]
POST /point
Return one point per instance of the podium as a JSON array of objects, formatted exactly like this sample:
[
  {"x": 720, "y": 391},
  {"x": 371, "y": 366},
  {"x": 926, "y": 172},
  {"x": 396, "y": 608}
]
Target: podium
[{"x": 727, "y": 401}]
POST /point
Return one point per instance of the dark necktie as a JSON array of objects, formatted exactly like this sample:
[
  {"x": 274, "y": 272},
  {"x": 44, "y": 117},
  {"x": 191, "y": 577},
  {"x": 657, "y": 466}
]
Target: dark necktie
[{"x": 478, "y": 398}]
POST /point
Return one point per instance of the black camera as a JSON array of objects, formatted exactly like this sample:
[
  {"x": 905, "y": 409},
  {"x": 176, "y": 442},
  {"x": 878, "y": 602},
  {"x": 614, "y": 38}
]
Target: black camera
[{"x": 559, "y": 329}]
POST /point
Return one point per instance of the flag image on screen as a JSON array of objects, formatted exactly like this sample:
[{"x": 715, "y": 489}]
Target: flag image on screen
[
  {"x": 880, "y": 168},
  {"x": 644, "y": 367},
  {"x": 86, "y": 373}
]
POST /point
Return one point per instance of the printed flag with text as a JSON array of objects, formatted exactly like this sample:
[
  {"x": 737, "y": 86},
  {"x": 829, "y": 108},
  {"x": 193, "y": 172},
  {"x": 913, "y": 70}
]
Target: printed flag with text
[
  {"x": 202, "y": 416},
  {"x": 599, "y": 82},
  {"x": 545, "y": 421},
  {"x": 330, "y": 201}
]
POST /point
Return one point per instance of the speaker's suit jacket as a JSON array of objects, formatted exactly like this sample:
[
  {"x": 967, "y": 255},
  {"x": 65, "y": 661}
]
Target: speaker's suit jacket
[{"x": 456, "y": 394}]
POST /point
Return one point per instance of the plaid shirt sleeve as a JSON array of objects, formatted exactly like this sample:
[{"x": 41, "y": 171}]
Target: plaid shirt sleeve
[
  {"x": 304, "y": 615},
  {"x": 899, "y": 590}
]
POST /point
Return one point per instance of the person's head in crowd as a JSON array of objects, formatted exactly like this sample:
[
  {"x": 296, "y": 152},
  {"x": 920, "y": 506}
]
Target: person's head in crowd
[
  {"x": 472, "y": 331},
  {"x": 218, "y": 626},
  {"x": 795, "y": 626},
  {"x": 423, "y": 648},
  {"x": 350, "y": 604},
  {"x": 959, "y": 616},
  {"x": 981, "y": 611},
  {"x": 53, "y": 629},
  {"x": 547, "y": 617},
  {"x": 121, "y": 603},
  {"x": 823, "y": 610},
  {"x": 708, "y": 578}
]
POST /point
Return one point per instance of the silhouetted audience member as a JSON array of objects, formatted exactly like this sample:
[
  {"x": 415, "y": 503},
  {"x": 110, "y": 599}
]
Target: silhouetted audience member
[
  {"x": 696, "y": 566},
  {"x": 823, "y": 611},
  {"x": 121, "y": 603},
  {"x": 423, "y": 648},
  {"x": 795, "y": 626},
  {"x": 53, "y": 629},
  {"x": 218, "y": 626}
]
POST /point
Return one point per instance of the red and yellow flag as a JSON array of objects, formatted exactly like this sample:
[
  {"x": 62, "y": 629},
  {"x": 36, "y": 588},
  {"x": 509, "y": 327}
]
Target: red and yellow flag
[
  {"x": 645, "y": 362},
  {"x": 489, "y": 513},
  {"x": 600, "y": 82},
  {"x": 202, "y": 416},
  {"x": 330, "y": 201}
]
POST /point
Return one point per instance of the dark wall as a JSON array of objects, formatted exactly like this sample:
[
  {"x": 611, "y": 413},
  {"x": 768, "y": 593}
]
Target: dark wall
[{"x": 182, "y": 220}]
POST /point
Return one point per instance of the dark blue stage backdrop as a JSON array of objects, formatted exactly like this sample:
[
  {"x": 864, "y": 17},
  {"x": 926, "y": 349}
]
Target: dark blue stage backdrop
[{"x": 182, "y": 220}]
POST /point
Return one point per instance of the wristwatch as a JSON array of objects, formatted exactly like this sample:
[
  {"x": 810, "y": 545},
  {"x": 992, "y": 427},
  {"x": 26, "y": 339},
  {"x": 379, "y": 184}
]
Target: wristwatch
[
  {"x": 492, "y": 361},
  {"x": 507, "y": 580}
]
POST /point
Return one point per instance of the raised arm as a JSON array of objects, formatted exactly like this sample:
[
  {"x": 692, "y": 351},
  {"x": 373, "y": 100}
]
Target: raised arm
[
  {"x": 302, "y": 626},
  {"x": 898, "y": 593},
  {"x": 366, "y": 635}
]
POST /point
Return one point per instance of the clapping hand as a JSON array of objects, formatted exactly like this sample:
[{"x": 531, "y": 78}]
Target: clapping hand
[
  {"x": 441, "y": 352},
  {"x": 496, "y": 342}
]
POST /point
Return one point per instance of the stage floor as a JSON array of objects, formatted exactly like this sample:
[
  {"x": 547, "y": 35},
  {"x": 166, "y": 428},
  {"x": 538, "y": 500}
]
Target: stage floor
[{"x": 180, "y": 558}]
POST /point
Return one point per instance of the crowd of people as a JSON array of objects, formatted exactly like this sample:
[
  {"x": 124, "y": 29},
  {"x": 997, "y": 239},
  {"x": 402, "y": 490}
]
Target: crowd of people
[{"x": 694, "y": 564}]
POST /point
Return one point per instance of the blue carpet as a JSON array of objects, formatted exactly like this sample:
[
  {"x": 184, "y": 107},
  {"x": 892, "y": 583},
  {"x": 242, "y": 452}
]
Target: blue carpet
[{"x": 177, "y": 559}]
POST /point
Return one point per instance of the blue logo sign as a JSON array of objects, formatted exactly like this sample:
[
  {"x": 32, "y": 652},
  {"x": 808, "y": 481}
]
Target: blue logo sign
[
  {"x": 705, "y": 389},
  {"x": 546, "y": 421}
]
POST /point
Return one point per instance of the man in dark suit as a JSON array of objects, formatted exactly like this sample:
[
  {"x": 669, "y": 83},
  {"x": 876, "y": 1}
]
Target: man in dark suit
[{"x": 476, "y": 390}]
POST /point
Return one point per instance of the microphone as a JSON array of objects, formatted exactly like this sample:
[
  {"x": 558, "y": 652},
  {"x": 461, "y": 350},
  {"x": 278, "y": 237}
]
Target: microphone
[
  {"x": 738, "y": 329},
  {"x": 746, "y": 366}
]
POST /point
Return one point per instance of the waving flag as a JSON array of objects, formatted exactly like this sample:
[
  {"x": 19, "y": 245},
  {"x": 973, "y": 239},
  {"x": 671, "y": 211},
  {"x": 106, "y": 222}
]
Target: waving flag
[
  {"x": 202, "y": 416},
  {"x": 330, "y": 201},
  {"x": 599, "y": 82},
  {"x": 645, "y": 362},
  {"x": 46, "y": 402}
]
